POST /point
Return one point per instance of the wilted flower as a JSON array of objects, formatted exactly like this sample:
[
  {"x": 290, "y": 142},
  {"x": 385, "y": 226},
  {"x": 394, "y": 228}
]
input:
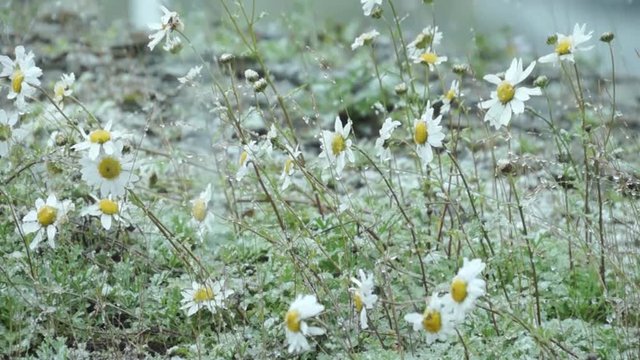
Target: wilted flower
[
  {"x": 365, "y": 39},
  {"x": 169, "y": 22},
  {"x": 385, "y": 134},
  {"x": 296, "y": 329},
  {"x": 9, "y": 134},
  {"x": 369, "y": 5}
]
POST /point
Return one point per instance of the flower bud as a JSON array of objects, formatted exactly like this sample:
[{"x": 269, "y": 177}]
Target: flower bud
[
  {"x": 541, "y": 81},
  {"x": 607, "y": 37},
  {"x": 225, "y": 58},
  {"x": 401, "y": 89},
  {"x": 260, "y": 85},
  {"x": 552, "y": 39},
  {"x": 251, "y": 76},
  {"x": 460, "y": 69},
  {"x": 376, "y": 13}
]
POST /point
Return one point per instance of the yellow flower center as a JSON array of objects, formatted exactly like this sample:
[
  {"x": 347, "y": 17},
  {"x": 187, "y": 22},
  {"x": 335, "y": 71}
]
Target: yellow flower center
[
  {"x": 357, "y": 301},
  {"x": 451, "y": 94},
  {"x": 243, "y": 157},
  {"x": 99, "y": 136},
  {"x": 47, "y": 215},
  {"x": 338, "y": 144},
  {"x": 288, "y": 165},
  {"x": 18, "y": 78},
  {"x": 292, "y": 320},
  {"x": 108, "y": 207},
  {"x": 431, "y": 320},
  {"x": 506, "y": 91},
  {"x": 204, "y": 293},
  {"x": 5, "y": 132},
  {"x": 199, "y": 210},
  {"x": 421, "y": 133},
  {"x": 458, "y": 290},
  {"x": 429, "y": 58},
  {"x": 109, "y": 167},
  {"x": 563, "y": 47},
  {"x": 58, "y": 91}
]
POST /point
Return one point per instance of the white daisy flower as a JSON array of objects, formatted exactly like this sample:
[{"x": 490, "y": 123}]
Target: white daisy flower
[
  {"x": 249, "y": 151},
  {"x": 365, "y": 39},
  {"x": 101, "y": 139},
  {"x": 191, "y": 76},
  {"x": 23, "y": 74},
  {"x": 429, "y": 38},
  {"x": 369, "y": 5},
  {"x": 304, "y": 307},
  {"x": 46, "y": 218},
  {"x": 107, "y": 209},
  {"x": 336, "y": 146},
  {"x": 9, "y": 134},
  {"x": 438, "y": 320},
  {"x": 62, "y": 88},
  {"x": 267, "y": 146},
  {"x": 169, "y": 22},
  {"x": 111, "y": 173},
  {"x": 208, "y": 295},
  {"x": 289, "y": 167},
  {"x": 507, "y": 98},
  {"x": 387, "y": 129},
  {"x": 363, "y": 297},
  {"x": 430, "y": 58},
  {"x": 199, "y": 207},
  {"x": 427, "y": 133},
  {"x": 449, "y": 96},
  {"x": 466, "y": 286},
  {"x": 567, "y": 45}
]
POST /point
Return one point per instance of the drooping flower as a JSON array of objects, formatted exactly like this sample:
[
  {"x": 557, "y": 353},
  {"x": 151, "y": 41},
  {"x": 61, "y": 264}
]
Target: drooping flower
[
  {"x": 336, "y": 146},
  {"x": 289, "y": 167},
  {"x": 199, "y": 209},
  {"x": 190, "y": 77},
  {"x": 23, "y": 74},
  {"x": 466, "y": 286},
  {"x": 369, "y": 5},
  {"x": 169, "y": 22},
  {"x": 365, "y": 39},
  {"x": 111, "y": 173},
  {"x": 46, "y": 218},
  {"x": 62, "y": 88},
  {"x": 249, "y": 151},
  {"x": 209, "y": 295},
  {"x": 100, "y": 141},
  {"x": 508, "y": 98},
  {"x": 429, "y": 38},
  {"x": 452, "y": 94},
  {"x": 567, "y": 45},
  {"x": 386, "y": 130},
  {"x": 363, "y": 297},
  {"x": 108, "y": 209},
  {"x": 438, "y": 320},
  {"x": 9, "y": 133},
  {"x": 427, "y": 133},
  {"x": 296, "y": 329}
]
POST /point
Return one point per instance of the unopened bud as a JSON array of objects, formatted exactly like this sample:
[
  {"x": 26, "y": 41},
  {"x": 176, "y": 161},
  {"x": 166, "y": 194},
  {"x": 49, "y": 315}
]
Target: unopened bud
[
  {"x": 460, "y": 69},
  {"x": 226, "y": 58},
  {"x": 552, "y": 39},
  {"x": 401, "y": 89},
  {"x": 260, "y": 85},
  {"x": 607, "y": 37},
  {"x": 251, "y": 76},
  {"x": 541, "y": 81}
]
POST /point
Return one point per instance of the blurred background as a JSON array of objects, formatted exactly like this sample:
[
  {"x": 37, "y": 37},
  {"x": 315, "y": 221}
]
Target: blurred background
[{"x": 528, "y": 22}]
